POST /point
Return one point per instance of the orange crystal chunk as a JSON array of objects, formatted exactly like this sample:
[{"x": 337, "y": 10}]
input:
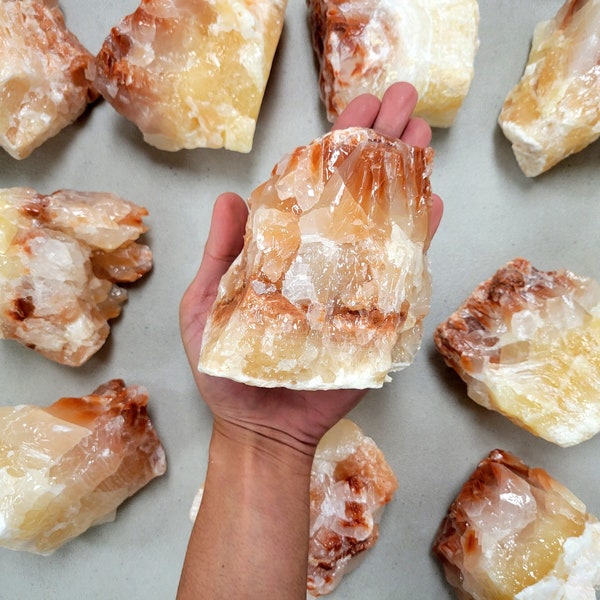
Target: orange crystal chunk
[
  {"x": 554, "y": 110},
  {"x": 515, "y": 533},
  {"x": 67, "y": 467},
  {"x": 350, "y": 485},
  {"x": 363, "y": 46},
  {"x": 45, "y": 75},
  {"x": 332, "y": 285},
  {"x": 61, "y": 258},
  {"x": 527, "y": 343},
  {"x": 191, "y": 73}
]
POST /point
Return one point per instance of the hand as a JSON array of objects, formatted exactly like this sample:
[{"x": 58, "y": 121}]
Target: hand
[{"x": 298, "y": 419}]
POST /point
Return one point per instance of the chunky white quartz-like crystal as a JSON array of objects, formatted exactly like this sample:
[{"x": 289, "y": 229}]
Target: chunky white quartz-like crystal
[
  {"x": 61, "y": 257},
  {"x": 45, "y": 75},
  {"x": 332, "y": 285},
  {"x": 554, "y": 110},
  {"x": 515, "y": 533},
  {"x": 527, "y": 343},
  {"x": 68, "y": 466},
  {"x": 363, "y": 46},
  {"x": 192, "y": 73}
]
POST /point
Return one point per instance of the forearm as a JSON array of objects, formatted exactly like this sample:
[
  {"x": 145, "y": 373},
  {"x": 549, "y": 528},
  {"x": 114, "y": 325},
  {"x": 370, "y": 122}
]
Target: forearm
[{"x": 250, "y": 539}]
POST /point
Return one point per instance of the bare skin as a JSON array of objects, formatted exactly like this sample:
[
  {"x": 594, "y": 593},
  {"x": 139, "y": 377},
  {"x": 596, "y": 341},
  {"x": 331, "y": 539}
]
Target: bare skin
[{"x": 250, "y": 539}]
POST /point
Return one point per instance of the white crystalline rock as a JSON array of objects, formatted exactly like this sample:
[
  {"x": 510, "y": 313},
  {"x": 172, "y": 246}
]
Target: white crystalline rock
[{"x": 363, "y": 46}]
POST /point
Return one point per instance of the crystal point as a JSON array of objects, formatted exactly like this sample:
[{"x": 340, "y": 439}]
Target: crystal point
[{"x": 332, "y": 285}]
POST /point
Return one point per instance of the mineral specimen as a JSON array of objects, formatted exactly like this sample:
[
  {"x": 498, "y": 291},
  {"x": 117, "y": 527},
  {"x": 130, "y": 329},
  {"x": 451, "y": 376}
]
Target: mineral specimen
[
  {"x": 332, "y": 285},
  {"x": 351, "y": 483},
  {"x": 514, "y": 533},
  {"x": 67, "y": 467},
  {"x": 554, "y": 110},
  {"x": 366, "y": 45},
  {"x": 45, "y": 75},
  {"x": 527, "y": 343},
  {"x": 61, "y": 256},
  {"x": 191, "y": 73}
]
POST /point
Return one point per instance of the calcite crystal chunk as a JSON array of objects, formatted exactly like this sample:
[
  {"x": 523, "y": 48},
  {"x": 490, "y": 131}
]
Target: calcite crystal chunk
[
  {"x": 515, "y": 533},
  {"x": 332, "y": 285},
  {"x": 191, "y": 73},
  {"x": 61, "y": 258},
  {"x": 46, "y": 75},
  {"x": 351, "y": 483},
  {"x": 363, "y": 46},
  {"x": 554, "y": 110},
  {"x": 68, "y": 466},
  {"x": 527, "y": 344}
]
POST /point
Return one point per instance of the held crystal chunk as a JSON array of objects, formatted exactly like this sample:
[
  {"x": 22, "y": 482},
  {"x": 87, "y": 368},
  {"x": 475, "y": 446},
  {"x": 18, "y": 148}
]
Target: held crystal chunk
[{"x": 333, "y": 283}]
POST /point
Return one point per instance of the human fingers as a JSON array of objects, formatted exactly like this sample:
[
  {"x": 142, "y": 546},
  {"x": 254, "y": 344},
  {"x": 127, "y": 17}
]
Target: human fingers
[
  {"x": 397, "y": 105},
  {"x": 225, "y": 241},
  {"x": 360, "y": 112},
  {"x": 437, "y": 210},
  {"x": 417, "y": 132}
]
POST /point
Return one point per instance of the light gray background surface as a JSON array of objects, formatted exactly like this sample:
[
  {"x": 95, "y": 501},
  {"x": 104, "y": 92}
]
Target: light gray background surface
[{"x": 431, "y": 433}]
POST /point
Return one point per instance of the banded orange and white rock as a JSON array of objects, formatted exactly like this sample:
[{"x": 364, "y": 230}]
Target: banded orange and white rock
[
  {"x": 46, "y": 75},
  {"x": 62, "y": 257},
  {"x": 191, "y": 73},
  {"x": 68, "y": 466},
  {"x": 527, "y": 344},
  {"x": 333, "y": 283}
]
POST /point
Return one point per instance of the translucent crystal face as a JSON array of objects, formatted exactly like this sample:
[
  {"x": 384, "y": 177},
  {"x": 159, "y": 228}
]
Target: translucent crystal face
[
  {"x": 332, "y": 285},
  {"x": 553, "y": 110},
  {"x": 61, "y": 257},
  {"x": 52, "y": 487},
  {"x": 45, "y": 75},
  {"x": 527, "y": 343},
  {"x": 512, "y": 528},
  {"x": 192, "y": 73},
  {"x": 351, "y": 483},
  {"x": 364, "y": 46}
]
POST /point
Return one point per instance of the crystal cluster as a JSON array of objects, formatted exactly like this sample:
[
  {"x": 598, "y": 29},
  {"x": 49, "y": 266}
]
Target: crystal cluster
[
  {"x": 363, "y": 46},
  {"x": 554, "y": 110},
  {"x": 527, "y": 343},
  {"x": 332, "y": 285},
  {"x": 191, "y": 73},
  {"x": 61, "y": 257},
  {"x": 45, "y": 75},
  {"x": 515, "y": 533},
  {"x": 68, "y": 466},
  {"x": 351, "y": 483}
]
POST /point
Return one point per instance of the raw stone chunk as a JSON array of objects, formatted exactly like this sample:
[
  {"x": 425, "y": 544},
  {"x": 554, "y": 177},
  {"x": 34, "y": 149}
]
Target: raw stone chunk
[
  {"x": 191, "y": 73},
  {"x": 332, "y": 285},
  {"x": 515, "y": 533}
]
